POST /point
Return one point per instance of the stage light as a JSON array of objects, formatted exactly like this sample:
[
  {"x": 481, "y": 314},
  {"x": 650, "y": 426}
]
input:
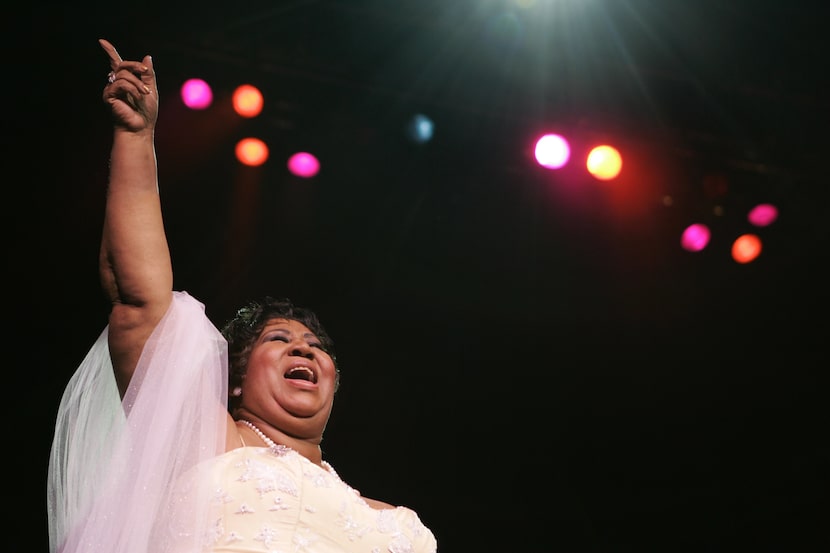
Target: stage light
[
  {"x": 552, "y": 151},
  {"x": 196, "y": 94},
  {"x": 303, "y": 164},
  {"x": 604, "y": 162},
  {"x": 695, "y": 237},
  {"x": 251, "y": 151},
  {"x": 247, "y": 101},
  {"x": 420, "y": 128},
  {"x": 746, "y": 248},
  {"x": 763, "y": 215},
  {"x": 524, "y": 4}
]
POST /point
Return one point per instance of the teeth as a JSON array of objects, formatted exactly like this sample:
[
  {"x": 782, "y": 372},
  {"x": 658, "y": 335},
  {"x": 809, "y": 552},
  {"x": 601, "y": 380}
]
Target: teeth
[{"x": 309, "y": 374}]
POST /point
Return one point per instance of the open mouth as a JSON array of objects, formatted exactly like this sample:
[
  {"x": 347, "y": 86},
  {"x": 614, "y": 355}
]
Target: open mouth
[{"x": 302, "y": 373}]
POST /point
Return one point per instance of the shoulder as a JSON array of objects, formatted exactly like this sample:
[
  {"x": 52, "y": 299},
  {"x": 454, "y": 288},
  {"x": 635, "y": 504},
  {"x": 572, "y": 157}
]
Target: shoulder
[
  {"x": 377, "y": 504},
  {"x": 233, "y": 437}
]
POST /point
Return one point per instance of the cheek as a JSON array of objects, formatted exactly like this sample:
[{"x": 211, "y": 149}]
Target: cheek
[
  {"x": 327, "y": 364},
  {"x": 260, "y": 365},
  {"x": 253, "y": 376}
]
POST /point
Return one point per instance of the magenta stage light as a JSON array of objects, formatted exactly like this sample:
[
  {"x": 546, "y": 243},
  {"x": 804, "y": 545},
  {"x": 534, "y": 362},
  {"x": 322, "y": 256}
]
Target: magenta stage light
[
  {"x": 303, "y": 164},
  {"x": 695, "y": 237},
  {"x": 763, "y": 215},
  {"x": 196, "y": 94}
]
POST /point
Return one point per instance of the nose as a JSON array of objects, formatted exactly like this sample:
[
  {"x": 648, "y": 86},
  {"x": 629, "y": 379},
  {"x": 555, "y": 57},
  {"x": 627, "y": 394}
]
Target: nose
[{"x": 302, "y": 349}]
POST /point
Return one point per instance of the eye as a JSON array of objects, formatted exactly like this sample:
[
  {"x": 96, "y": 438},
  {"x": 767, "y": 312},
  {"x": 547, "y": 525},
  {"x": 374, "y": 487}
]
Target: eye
[{"x": 278, "y": 338}]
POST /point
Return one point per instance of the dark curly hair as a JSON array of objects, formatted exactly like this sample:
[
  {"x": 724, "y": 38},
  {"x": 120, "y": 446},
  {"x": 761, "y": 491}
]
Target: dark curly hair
[{"x": 245, "y": 327}]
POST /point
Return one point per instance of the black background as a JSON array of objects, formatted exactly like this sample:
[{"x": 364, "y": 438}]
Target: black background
[{"x": 529, "y": 359}]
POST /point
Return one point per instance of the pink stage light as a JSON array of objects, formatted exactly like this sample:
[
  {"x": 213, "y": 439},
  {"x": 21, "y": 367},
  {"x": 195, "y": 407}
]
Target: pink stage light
[
  {"x": 695, "y": 238},
  {"x": 763, "y": 215},
  {"x": 552, "y": 151},
  {"x": 196, "y": 94},
  {"x": 303, "y": 165}
]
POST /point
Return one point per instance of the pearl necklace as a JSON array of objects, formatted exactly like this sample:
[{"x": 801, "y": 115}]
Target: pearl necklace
[{"x": 274, "y": 445}]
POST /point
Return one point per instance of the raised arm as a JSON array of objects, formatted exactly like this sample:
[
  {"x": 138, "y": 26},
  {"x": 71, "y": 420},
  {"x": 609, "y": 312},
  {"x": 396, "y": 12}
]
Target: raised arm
[{"x": 135, "y": 268}]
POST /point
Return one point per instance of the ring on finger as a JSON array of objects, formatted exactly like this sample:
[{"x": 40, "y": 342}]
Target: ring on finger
[{"x": 111, "y": 77}]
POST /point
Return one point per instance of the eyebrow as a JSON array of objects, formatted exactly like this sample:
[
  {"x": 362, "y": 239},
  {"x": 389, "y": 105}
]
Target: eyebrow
[{"x": 273, "y": 328}]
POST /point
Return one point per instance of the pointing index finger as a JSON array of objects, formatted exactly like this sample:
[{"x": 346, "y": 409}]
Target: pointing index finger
[{"x": 115, "y": 57}]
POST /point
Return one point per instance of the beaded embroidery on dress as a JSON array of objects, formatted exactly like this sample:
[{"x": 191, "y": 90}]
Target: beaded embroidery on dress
[{"x": 272, "y": 499}]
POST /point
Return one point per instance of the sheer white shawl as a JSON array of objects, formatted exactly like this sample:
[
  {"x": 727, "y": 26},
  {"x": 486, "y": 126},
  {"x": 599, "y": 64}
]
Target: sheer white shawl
[{"x": 114, "y": 464}]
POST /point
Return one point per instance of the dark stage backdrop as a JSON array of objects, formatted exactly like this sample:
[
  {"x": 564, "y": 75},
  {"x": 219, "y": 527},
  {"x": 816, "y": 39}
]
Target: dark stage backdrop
[{"x": 529, "y": 359}]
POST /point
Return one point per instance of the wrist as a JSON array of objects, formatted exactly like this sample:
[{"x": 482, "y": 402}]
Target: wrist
[{"x": 137, "y": 134}]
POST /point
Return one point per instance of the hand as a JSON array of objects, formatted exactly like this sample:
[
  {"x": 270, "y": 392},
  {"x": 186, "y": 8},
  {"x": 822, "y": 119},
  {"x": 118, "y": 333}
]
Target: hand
[{"x": 133, "y": 93}]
